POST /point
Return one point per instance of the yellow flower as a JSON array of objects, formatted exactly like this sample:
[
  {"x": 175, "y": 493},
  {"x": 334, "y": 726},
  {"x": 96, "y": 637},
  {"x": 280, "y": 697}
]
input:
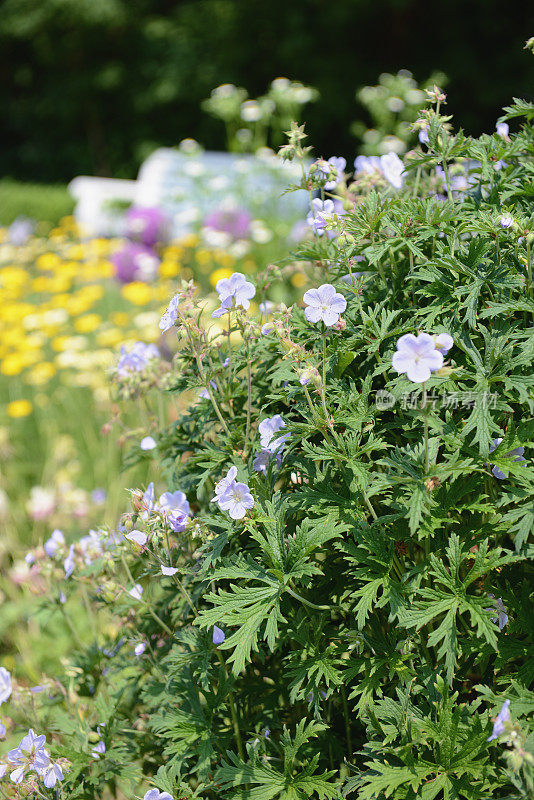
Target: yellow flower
[
  {"x": 137, "y": 293},
  {"x": 223, "y": 272},
  {"x": 77, "y": 305},
  {"x": 93, "y": 292},
  {"x": 299, "y": 280},
  {"x": 191, "y": 240},
  {"x": 48, "y": 262},
  {"x": 13, "y": 364},
  {"x": 76, "y": 252},
  {"x": 226, "y": 259},
  {"x": 120, "y": 318},
  {"x": 41, "y": 373},
  {"x": 109, "y": 338},
  {"x": 19, "y": 408},
  {"x": 12, "y": 277},
  {"x": 169, "y": 269},
  {"x": 173, "y": 252},
  {"x": 88, "y": 323},
  {"x": 204, "y": 256}
]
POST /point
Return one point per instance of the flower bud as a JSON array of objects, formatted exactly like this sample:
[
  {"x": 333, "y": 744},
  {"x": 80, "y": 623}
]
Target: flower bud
[
  {"x": 340, "y": 325},
  {"x": 310, "y": 375}
]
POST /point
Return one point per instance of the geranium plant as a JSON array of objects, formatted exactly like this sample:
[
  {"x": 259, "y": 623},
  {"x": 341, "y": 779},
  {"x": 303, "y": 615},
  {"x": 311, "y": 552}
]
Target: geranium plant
[{"x": 330, "y": 592}]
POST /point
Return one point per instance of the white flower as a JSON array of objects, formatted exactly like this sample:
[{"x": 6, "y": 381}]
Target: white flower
[
  {"x": 136, "y": 592},
  {"x": 155, "y": 794},
  {"x": 324, "y": 304},
  {"x": 392, "y": 169},
  {"x": 170, "y": 501},
  {"x": 55, "y": 543},
  {"x": 148, "y": 443},
  {"x": 267, "y": 429},
  {"x": 237, "y": 499},
  {"x": 223, "y": 484},
  {"x": 139, "y": 537},
  {"x": 168, "y": 571},
  {"x": 233, "y": 290},
  {"x": 5, "y": 685},
  {"x": 417, "y": 357}
]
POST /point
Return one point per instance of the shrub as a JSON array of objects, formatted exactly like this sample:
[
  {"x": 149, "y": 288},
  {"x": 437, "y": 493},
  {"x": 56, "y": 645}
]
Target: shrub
[{"x": 334, "y": 598}]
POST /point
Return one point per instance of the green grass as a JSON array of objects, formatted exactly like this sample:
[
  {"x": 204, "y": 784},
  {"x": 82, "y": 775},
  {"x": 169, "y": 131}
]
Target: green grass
[{"x": 44, "y": 203}]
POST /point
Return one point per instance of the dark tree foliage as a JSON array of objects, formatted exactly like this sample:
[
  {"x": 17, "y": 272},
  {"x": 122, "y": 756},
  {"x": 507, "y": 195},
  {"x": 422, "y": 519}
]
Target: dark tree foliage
[{"x": 92, "y": 86}]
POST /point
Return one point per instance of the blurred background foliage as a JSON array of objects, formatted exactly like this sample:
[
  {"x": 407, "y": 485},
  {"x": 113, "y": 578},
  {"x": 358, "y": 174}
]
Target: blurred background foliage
[{"x": 93, "y": 86}]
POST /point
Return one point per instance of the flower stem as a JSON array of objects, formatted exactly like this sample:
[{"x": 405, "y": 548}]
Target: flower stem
[
  {"x": 233, "y": 712},
  {"x": 144, "y": 602},
  {"x": 323, "y": 387},
  {"x": 425, "y": 424},
  {"x": 290, "y": 591},
  {"x": 347, "y": 721},
  {"x": 249, "y": 396},
  {"x": 72, "y": 628},
  {"x": 446, "y": 173}
]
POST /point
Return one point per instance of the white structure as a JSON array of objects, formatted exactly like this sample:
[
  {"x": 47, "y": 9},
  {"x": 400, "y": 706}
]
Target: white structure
[{"x": 187, "y": 185}]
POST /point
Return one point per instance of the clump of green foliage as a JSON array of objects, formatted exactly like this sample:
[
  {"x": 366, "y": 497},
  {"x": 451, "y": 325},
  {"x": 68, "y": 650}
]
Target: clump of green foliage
[{"x": 355, "y": 627}]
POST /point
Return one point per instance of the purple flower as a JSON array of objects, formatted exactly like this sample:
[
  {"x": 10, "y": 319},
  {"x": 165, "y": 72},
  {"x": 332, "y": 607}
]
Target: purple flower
[
  {"x": 147, "y": 501},
  {"x": 29, "y": 756},
  {"x": 263, "y": 458},
  {"x": 265, "y": 308},
  {"x": 367, "y": 164},
  {"x": 389, "y": 166},
  {"x": 136, "y": 359},
  {"x": 136, "y": 592},
  {"x": 177, "y": 520},
  {"x": 237, "y": 499},
  {"x": 502, "y": 617},
  {"x": 92, "y": 546},
  {"x": 155, "y": 794},
  {"x": 518, "y": 452},
  {"x": 5, "y": 685},
  {"x": 20, "y": 231},
  {"x": 337, "y": 165},
  {"x": 139, "y": 537},
  {"x": 218, "y": 636},
  {"x": 170, "y": 501},
  {"x": 3, "y": 730},
  {"x": 135, "y": 262},
  {"x": 267, "y": 328},
  {"x": 148, "y": 443},
  {"x": 235, "y": 290},
  {"x": 316, "y": 217},
  {"x": 235, "y": 221},
  {"x": 147, "y": 225},
  {"x": 69, "y": 562},
  {"x": 417, "y": 357},
  {"x": 139, "y": 649},
  {"x": 98, "y": 750},
  {"x": 224, "y": 483},
  {"x": 51, "y": 775},
  {"x": 502, "y": 129},
  {"x": 423, "y": 136},
  {"x": 171, "y": 315},
  {"x": 55, "y": 543},
  {"x": 204, "y": 394},
  {"x": 444, "y": 342},
  {"x": 267, "y": 430},
  {"x": 98, "y": 496},
  {"x": 498, "y": 723},
  {"x": 507, "y": 222},
  {"x": 324, "y": 304}
]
